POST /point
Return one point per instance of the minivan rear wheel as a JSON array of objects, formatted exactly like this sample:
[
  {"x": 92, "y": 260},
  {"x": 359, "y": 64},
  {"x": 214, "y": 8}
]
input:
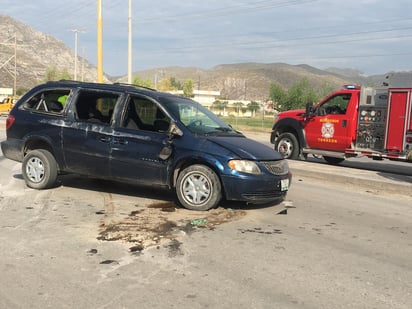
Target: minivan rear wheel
[
  {"x": 39, "y": 169},
  {"x": 198, "y": 188}
]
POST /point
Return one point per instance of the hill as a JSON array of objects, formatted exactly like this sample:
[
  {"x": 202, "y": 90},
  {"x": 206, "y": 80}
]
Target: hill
[
  {"x": 245, "y": 81},
  {"x": 35, "y": 53}
]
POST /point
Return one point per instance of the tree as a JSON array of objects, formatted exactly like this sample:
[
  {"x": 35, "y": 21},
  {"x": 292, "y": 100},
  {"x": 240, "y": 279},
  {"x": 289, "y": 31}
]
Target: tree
[
  {"x": 188, "y": 88},
  {"x": 220, "y": 105},
  {"x": 175, "y": 84},
  {"x": 299, "y": 94},
  {"x": 238, "y": 106},
  {"x": 52, "y": 73},
  {"x": 147, "y": 83},
  {"x": 164, "y": 85},
  {"x": 325, "y": 89},
  {"x": 21, "y": 91},
  {"x": 253, "y": 107},
  {"x": 278, "y": 96},
  {"x": 295, "y": 97},
  {"x": 65, "y": 74}
]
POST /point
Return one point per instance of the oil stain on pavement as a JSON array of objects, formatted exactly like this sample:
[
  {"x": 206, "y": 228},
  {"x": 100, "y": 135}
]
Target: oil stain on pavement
[{"x": 159, "y": 222}]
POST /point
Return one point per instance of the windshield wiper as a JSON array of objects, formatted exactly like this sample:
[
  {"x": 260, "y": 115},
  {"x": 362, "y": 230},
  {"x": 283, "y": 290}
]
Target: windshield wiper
[
  {"x": 219, "y": 130},
  {"x": 223, "y": 129}
]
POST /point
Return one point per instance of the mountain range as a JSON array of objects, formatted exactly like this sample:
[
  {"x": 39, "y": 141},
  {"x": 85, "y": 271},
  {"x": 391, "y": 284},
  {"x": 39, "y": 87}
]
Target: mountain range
[{"x": 37, "y": 52}]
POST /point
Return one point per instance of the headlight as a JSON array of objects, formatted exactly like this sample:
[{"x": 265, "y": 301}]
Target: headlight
[{"x": 244, "y": 166}]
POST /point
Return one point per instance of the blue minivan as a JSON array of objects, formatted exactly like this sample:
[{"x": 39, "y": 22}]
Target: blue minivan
[{"x": 138, "y": 135}]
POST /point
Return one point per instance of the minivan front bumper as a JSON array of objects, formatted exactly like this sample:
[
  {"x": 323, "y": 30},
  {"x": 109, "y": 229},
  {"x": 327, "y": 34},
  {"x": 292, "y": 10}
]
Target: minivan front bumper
[{"x": 256, "y": 189}]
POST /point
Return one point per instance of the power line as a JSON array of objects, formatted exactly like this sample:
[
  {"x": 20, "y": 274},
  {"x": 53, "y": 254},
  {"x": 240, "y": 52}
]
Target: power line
[
  {"x": 277, "y": 43},
  {"x": 340, "y": 30},
  {"x": 68, "y": 11},
  {"x": 219, "y": 12}
]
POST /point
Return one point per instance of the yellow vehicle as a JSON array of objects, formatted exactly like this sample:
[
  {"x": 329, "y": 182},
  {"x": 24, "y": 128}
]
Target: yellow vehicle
[{"x": 7, "y": 104}]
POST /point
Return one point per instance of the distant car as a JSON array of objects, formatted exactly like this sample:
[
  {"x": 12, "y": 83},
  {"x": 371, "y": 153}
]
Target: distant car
[
  {"x": 7, "y": 104},
  {"x": 138, "y": 135}
]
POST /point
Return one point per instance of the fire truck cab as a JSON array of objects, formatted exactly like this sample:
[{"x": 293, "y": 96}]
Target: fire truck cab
[{"x": 353, "y": 121}]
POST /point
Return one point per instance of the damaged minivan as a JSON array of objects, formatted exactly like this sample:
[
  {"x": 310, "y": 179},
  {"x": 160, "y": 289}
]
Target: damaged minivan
[{"x": 141, "y": 136}]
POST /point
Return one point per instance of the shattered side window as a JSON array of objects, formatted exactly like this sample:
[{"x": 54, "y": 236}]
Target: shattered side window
[
  {"x": 143, "y": 114},
  {"x": 50, "y": 101},
  {"x": 95, "y": 106}
]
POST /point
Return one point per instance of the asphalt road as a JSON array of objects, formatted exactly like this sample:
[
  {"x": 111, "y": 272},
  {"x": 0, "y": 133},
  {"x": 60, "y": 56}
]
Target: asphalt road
[
  {"x": 333, "y": 248},
  {"x": 93, "y": 244}
]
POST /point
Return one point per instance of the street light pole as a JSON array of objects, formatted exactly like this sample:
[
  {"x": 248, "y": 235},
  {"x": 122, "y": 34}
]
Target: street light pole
[
  {"x": 99, "y": 42},
  {"x": 76, "y": 32},
  {"x": 129, "y": 69},
  {"x": 15, "y": 65},
  {"x": 75, "y": 53}
]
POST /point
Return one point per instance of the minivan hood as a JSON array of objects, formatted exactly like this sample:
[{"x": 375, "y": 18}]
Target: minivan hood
[{"x": 246, "y": 148}]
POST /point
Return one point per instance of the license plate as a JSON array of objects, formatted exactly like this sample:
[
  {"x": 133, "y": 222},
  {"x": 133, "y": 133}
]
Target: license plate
[{"x": 284, "y": 184}]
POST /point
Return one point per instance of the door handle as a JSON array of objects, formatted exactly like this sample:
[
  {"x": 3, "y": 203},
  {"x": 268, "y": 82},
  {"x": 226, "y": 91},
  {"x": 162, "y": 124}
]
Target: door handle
[
  {"x": 120, "y": 141},
  {"x": 104, "y": 139}
]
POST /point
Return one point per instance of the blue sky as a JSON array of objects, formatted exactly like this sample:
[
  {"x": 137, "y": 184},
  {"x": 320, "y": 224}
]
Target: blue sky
[{"x": 373, "y": 36}]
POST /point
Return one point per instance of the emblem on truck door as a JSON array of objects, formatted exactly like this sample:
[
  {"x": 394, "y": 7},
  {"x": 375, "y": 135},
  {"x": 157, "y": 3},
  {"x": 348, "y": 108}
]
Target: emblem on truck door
[{"x": 328, "y": 130}]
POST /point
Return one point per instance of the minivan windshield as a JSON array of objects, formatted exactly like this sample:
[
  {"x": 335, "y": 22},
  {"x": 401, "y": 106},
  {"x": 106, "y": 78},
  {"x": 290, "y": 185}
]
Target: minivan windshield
[{"x": 195, "y": 117}]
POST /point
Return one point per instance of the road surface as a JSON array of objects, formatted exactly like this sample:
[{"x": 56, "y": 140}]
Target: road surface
[{"x": 96, "y": 244}]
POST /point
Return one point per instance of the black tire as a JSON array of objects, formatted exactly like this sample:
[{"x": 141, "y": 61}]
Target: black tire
[
  {"x": 287, "y": 144},
  {"x": 333, "y": 160},
  {"x": 198, "y": 188},
  {"x": 39, "y": 169}
]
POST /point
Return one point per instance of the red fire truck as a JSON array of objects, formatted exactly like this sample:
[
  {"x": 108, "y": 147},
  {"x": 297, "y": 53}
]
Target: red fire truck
[{"x": 351, "y": 122}]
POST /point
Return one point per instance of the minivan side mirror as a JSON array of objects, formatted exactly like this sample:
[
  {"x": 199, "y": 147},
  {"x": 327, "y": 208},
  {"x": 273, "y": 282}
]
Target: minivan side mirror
[
  {"x": 174, "y": 130},
  {"x": 167, "y": 150}
]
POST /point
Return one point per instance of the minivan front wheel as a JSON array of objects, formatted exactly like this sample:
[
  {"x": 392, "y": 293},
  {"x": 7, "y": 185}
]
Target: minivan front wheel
[
  {"x": 39, "y": 169},
  {"x": 198, "y": 188}
]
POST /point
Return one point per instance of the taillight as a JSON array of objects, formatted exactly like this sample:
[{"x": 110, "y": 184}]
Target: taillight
[{"x": 9, "y": 121}]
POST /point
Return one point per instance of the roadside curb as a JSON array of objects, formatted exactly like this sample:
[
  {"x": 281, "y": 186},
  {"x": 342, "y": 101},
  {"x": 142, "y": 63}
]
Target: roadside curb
[{"x": 368, "y": 180}]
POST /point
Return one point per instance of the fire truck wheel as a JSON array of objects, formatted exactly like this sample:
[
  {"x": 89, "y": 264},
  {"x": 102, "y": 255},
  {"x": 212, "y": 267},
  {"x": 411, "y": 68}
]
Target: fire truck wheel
[
  {"x": 287, "y": 144},
  {"x": 332, "y": 160}
]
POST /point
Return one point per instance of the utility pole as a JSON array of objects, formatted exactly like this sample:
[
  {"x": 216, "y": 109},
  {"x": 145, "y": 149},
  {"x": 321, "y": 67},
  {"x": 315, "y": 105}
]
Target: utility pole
[
  {"x": 15, "y": 64},
  {"x": 8, "y": 61},
  {"x": 83, "y": 57},
  {"x": 99, "y": 42},
  {"x": 76, "y": 32},
  {"x": 129, "y": 69}
]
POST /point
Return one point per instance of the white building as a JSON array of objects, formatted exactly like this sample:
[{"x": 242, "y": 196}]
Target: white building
[
  {"x": 204, "y": 97},
  {"x": 232, "y": 107},
  {"x": 5, "y": 92}
]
